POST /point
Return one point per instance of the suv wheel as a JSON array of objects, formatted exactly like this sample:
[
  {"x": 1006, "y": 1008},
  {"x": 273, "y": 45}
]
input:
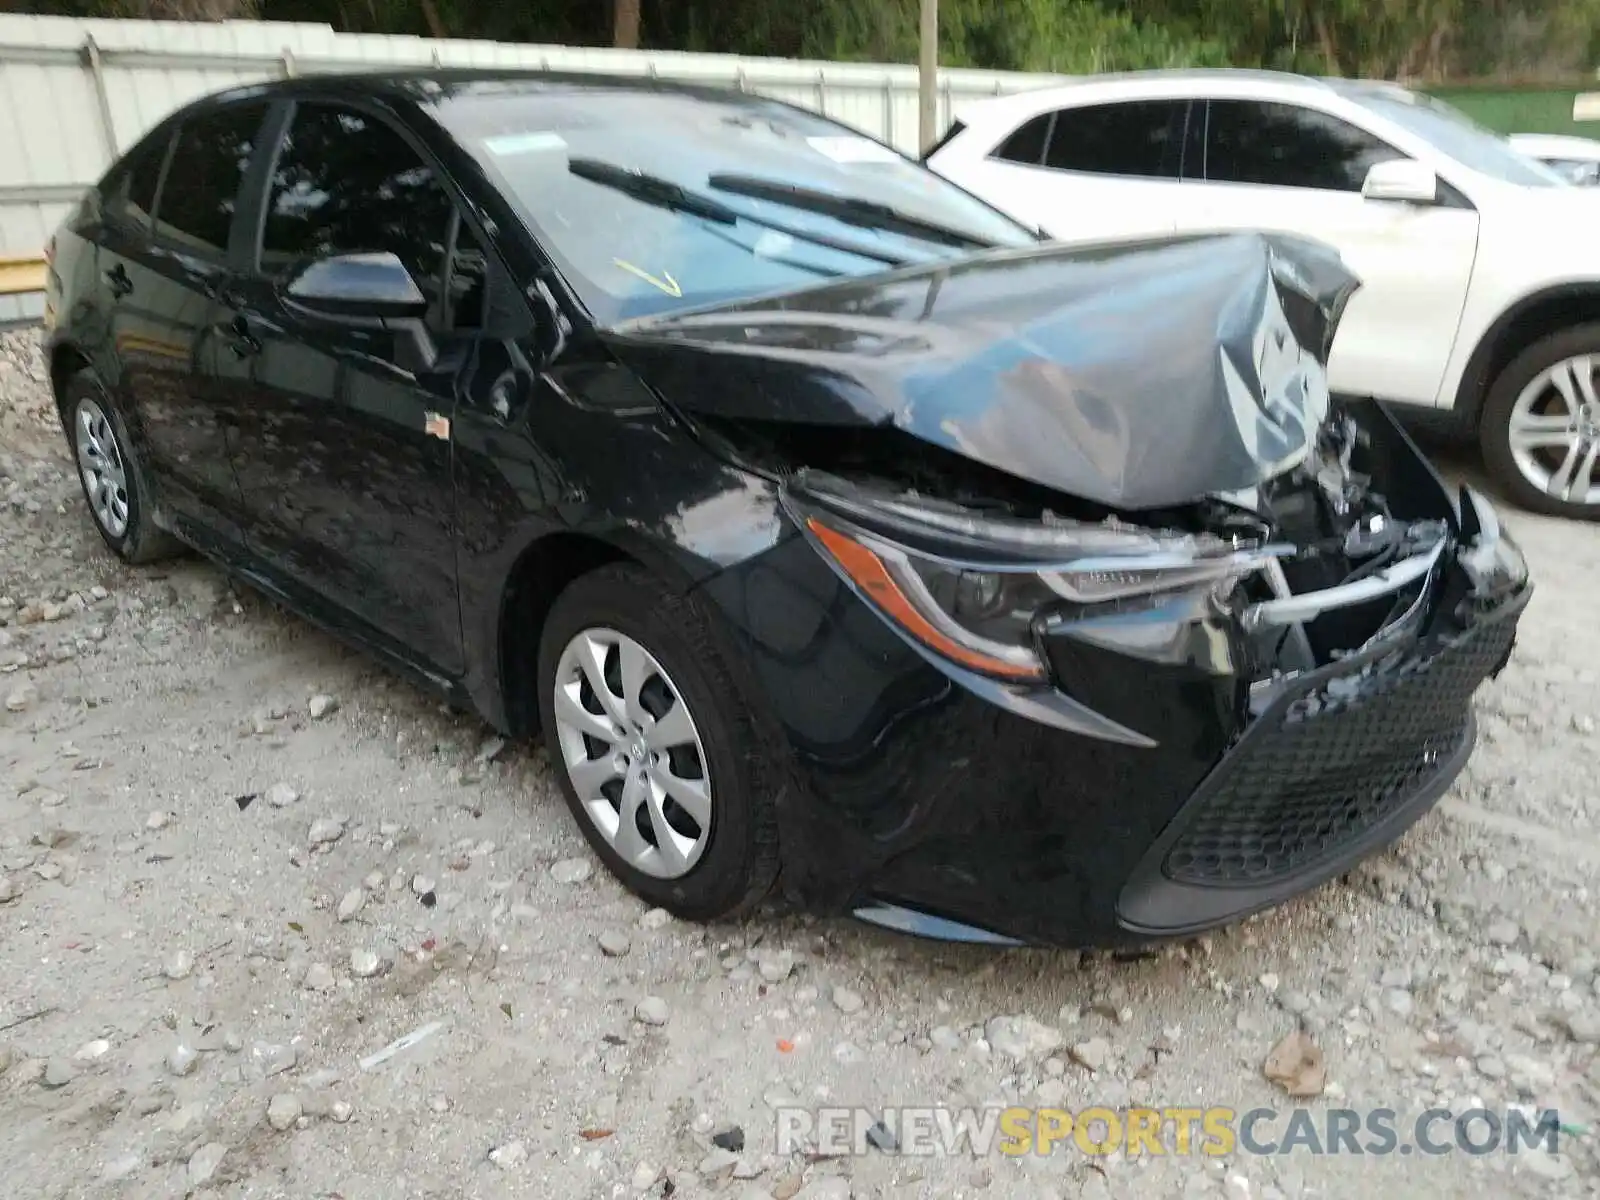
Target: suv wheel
[
  {"x": 657, "y": 755},
  {"x": 1541, "y": 425}
]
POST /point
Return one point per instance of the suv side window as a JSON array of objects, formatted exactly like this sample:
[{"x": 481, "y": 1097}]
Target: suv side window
[
  {"x": 1284, "y": 145},
  {"x": 212, "y": 151},
  {"x": 1026, "y": 143},
  {"x": 347, "y": 183},
  {"x": 1142, "y": 138},
  {"x": 131, "y": 194}
]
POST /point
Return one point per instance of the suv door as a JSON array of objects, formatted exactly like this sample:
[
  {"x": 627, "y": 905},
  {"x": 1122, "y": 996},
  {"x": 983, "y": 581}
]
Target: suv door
[
  {"x": 1287, "y": 167},
  {"x": 163, "y": 251},
  {"x": 1088, "y": 173},
  {"x": 344, "y": 448}
]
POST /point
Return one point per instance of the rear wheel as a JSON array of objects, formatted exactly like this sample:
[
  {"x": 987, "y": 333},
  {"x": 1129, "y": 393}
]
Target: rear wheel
[
  {"x": 114, "y": 484},
  {"x": 1541, "y": 425},
  {"x": 655, "y": 750}
]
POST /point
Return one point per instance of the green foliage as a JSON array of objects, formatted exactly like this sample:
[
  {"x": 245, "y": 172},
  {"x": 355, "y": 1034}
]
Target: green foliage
[{"x": 1411, "y": 39}]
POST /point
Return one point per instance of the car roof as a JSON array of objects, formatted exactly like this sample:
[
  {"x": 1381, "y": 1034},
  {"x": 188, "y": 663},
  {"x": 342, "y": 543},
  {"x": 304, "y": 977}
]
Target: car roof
[
  {"x": 424, "y": 85},
  {"x": 1177, "y": 82}
]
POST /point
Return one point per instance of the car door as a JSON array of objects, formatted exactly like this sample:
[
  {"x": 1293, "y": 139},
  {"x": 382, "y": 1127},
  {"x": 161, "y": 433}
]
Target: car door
[
  {"x": 1288, "y": 167},
  {"x": 1089, "y": 173},
  {"x": 343, "y": 446},
  {"x": 160, "y": 268}
]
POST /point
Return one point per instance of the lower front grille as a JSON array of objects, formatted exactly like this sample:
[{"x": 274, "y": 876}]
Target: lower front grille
[{"x": 1323, "y": 766}]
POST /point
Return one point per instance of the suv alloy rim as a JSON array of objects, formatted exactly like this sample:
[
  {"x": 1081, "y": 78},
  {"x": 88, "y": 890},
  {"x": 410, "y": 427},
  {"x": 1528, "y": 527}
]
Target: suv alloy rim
[{"x": 1555, "y": 430}]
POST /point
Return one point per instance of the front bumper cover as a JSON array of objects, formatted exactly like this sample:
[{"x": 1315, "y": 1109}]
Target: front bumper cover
[{"x": 1341, "y": 761}]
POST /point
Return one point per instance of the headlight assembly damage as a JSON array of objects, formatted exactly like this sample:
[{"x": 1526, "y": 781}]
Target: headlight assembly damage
[
  {"x": 1310, "y": 570},
  {"x": 971, "y": 588}
]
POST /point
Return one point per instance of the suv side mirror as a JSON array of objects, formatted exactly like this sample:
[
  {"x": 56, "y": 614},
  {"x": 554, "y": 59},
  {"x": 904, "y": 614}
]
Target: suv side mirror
[
  {"x": 1403, "y": 180},
  {"x": 361, "y": 288}
]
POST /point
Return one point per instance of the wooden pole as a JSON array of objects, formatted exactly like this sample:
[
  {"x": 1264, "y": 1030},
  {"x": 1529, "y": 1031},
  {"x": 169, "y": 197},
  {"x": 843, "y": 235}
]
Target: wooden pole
[{"x": 928, "y": 76}]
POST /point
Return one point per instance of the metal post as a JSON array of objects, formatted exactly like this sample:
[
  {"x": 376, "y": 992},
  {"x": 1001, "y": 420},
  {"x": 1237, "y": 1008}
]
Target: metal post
[
  {"x": 928, "y": 76},
  {"x": 108, "y": 131}
]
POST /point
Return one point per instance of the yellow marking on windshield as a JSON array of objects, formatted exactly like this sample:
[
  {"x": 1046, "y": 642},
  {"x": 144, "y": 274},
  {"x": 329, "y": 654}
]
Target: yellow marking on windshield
[{"x": 666, "y": 283}]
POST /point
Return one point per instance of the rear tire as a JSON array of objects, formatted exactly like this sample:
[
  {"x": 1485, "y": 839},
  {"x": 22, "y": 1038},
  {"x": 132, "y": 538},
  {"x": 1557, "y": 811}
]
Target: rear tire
[
  {"x": 115, "y": 487},
  {"x": 1540, "y": 430},
  {"x": 672, "y": 723}
]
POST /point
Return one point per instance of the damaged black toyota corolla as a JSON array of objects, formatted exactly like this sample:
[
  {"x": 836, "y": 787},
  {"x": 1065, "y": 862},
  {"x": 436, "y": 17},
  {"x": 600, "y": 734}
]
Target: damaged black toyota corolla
[{"x": 839, "y": 536}]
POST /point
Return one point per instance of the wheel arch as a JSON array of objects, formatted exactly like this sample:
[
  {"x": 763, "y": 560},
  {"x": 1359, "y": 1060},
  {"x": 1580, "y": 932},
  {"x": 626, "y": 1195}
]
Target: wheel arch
[
  {"x": 66, "y": 360},
  {"x": 1534, "y": 316},
  {"x": 543, "y": 569}
]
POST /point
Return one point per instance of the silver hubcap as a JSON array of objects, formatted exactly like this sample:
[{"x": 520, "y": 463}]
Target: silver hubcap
[
  {"x": 1555, "y": 430},
  {"x": 633, "y": 753},
  {"x": 105, "y": 478}
]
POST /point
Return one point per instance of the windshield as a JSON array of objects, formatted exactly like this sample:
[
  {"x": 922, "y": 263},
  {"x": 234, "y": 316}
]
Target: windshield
[
  {"x": 1457, "y": 135},
  {"x": 653, "y": 201}
]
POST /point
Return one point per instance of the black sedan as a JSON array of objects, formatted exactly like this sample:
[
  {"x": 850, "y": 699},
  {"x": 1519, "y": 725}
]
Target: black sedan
[{"x": 840, "y": 537}]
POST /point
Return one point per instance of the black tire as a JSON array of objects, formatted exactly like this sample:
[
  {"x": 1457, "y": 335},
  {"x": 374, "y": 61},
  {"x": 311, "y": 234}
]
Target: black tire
[
  {"x": 141, "y": 541},
  {"x": 1494, "y": 431},
  {"x": 739, "y": 864}
]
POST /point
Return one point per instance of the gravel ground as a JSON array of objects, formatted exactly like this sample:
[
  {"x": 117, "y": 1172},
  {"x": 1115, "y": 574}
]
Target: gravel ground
[{"x": 237, "y": 860}]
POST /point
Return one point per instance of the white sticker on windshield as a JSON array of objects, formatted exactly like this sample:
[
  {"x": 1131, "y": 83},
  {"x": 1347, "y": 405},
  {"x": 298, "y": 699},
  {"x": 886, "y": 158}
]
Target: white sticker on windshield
[
  {"x": 524, "y": 143},
  {"x": 847, "y": 149},
  {"x": 773, "y": 244}
]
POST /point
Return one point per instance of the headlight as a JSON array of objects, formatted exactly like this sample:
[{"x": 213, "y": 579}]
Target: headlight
[{"x": 969, "y": 588}]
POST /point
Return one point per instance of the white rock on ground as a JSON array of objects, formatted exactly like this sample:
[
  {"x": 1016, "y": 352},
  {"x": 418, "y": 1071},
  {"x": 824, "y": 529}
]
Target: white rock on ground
[
  {"x": 351, "y": 904},
  {"x": 283, "y": 1110},
  {"x": 652, "y": 1010}
]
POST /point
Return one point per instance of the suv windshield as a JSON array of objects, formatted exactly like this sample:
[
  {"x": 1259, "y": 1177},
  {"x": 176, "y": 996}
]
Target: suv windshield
[
  {"x": 1456, "y": 134},
  {"x": 651, "y": 201}
]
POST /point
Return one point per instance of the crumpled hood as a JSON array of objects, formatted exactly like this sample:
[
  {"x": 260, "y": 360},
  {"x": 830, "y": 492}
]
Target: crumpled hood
[{"x": 1130, "y": 374}]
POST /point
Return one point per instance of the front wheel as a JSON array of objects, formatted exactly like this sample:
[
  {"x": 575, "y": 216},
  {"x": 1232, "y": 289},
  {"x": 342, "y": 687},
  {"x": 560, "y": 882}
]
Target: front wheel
[
  {"x": 1541, "y": 425},
  {"x": 656, "y": 753}
]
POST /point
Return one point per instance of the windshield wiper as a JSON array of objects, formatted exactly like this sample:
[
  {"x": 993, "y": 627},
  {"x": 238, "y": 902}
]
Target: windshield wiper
[
  {"x": 652, "y": 189},
  {"x": 867, "y": 213},
  {"x": 663, "y": 193}
]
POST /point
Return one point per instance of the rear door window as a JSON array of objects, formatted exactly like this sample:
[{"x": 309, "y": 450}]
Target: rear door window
[
  {"x": 210, "y": 156},
  {"x": 1141, "y": 138}
]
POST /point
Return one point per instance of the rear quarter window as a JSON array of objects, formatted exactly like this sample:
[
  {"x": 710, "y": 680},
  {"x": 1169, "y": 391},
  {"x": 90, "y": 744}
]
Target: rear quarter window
[{"x": 130, "y": 190}]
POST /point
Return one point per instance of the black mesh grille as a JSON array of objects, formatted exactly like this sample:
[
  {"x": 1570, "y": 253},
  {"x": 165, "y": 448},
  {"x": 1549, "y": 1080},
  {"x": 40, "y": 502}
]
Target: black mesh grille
[{"x": 1320, "y": 769}]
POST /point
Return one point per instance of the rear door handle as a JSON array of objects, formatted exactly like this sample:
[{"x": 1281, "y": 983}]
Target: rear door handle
[
  {"x": 238, "y": 337},
  {"x": 119, "y": 282}
]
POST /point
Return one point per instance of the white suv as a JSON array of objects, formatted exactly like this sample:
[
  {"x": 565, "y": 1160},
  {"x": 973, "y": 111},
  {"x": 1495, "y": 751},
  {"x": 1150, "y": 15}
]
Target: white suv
[{"x": 1480, "y": 267}]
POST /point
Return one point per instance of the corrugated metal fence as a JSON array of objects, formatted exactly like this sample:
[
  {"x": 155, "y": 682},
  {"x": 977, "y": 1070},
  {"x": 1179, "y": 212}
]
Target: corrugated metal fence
[{"x": 74, "y": 94}]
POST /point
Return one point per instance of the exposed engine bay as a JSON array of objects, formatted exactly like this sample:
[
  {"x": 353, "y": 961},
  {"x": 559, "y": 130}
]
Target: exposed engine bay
[{"x": 1346, "y": 548}]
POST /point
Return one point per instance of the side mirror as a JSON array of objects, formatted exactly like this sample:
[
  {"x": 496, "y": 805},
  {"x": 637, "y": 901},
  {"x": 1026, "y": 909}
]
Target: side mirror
[
  {"x": 373, "y": 292},
  {"x": 1403, "y": 180},
  {"x": 361, "y": 288}
]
